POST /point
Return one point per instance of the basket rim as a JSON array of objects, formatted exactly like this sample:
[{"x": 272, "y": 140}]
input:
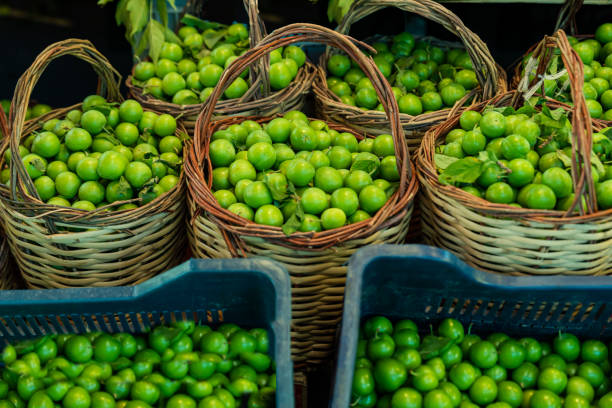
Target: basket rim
[
  {"x": 324, "y": 96},
  {"x": 304, "y": 77},
  {"x": 428, "y": 175}
]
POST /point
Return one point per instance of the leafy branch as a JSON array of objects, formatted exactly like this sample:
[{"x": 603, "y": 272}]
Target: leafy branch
[
  {"x": 336, "y": 9},
  {"x": 142, "y": 30}
]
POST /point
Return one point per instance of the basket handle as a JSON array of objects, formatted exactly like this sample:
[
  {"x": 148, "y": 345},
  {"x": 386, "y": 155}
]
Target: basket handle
[
  {"x": 582, "y": 132},
  {"x": 257, "y": 27},
  {"x": 484, "y": 64},
  {"x": 294, "y": 33},
  {"x": 109, "y": 80},
  {"x": 4, "y": 129},
  {"x": 566, "y": 20}
]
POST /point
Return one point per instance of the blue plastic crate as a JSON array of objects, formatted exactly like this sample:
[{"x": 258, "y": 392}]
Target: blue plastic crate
[
  {"x": 428, "y": 284},
  {"x": 247, "y": 292}
]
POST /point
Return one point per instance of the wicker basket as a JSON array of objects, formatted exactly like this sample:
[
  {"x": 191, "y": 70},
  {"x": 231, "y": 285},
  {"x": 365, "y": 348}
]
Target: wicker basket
[
  {"x": 58, "y": 246},
  {"x": 258, "y": 100},
  {"x": 491, "y": 77},
  {"x": 8, "y": 276},
  {"x": 501, "y": 238},
  {"x": 316, "y": 261},
  {"x": 566, "y": 20}
]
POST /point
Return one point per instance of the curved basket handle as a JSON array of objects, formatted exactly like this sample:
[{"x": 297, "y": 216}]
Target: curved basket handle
[
  {"x": 566, "y": 20},
  {"x": 582, "y": 132},
  {"x": 4, "y": 129},
  {"x": 484, "y": 64},
  {"x": 294, "y": 33},
  {"x": 82, "y": 49}
]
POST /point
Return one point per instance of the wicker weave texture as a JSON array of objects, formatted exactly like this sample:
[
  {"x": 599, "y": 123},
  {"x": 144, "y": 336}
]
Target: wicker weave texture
[
  {"x": 501, "y": 238},
  {"x": 58, "y": 246}
]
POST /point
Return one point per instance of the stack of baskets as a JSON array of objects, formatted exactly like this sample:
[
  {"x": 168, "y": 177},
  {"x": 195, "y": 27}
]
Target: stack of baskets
[
  {"x": 506, "y": 239},
  {"x": 258, "y": 100},
  {"x": 316, "y": 261},
  {"x": 57, "y": 246}
]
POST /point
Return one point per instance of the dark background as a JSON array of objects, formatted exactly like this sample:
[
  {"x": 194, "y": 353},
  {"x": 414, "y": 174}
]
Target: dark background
[{"x": 26, "y": 27}]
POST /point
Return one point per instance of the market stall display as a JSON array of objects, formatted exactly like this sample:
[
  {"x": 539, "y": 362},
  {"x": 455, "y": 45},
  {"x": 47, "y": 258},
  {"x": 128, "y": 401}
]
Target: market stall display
[
  {"x": 315, "y": 260},
  {"x": 59, "y": 245}
]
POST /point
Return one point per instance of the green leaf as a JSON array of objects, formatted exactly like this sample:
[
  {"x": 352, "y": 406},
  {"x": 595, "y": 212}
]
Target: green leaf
[
  {"x": 211, "y": 38},
  {"x": 545, "y": 120},
  {"x": 111, "y": 138},
  {"x": 38, "y": 164},
  {"x": 556, "y": 114},
  {"x": 291, "y": 225},
  {"x": 138, "y": 83},
  {"x": 139, "y": 15},
  {"x": 26, "y": 346},
  {"x": 121, "y": 363},
  {"x": 331, "y": 9},
  {"x": 156, "y": 38},
  {"x": 597, "y": 163},
  {"x": 299, "y": 211},
  {"x": 342, "y": 8},
  {"x": 465, "y": 170},
  {"x": 172, "y": 37},
  {"x": 565, "y": 159},
  {"x": 527, "y": 109},
  {"x": 487, "y": 156},
  {"x": 607, "y": 131},
  {"x": 504, "y": 110},
  {"x": 244, "y": 44},
  {"x": 162, "y": 11},
  {"x": 369, "y": 166},
  {"x": 291, "y": 188},
  {"x": 554, "y": 66},
  {"x": 279, "y": 192},
  {"x": 172, "y": 4},
  {"x": 433, "y": 346},
  {"x": 203, "y": 25},
  {"x": 104, "y": 2},
  {"x": 442, "y": 161},
  {"x": 142, "y": 45},
  {"x": 121, "y": 14}
]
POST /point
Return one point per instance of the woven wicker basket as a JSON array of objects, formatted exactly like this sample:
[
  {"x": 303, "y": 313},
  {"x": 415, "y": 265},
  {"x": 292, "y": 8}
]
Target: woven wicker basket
[
  {"x": 501, "y": 238},
  {"x": 258, "y": 100},
  {"x": 566, "y": 20},
  {"x": 8, "y": 277},
  {"x": 58, "y": 246},
  {"x": 316, "y": 261},
  {"x": 491, "y": 77}
]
